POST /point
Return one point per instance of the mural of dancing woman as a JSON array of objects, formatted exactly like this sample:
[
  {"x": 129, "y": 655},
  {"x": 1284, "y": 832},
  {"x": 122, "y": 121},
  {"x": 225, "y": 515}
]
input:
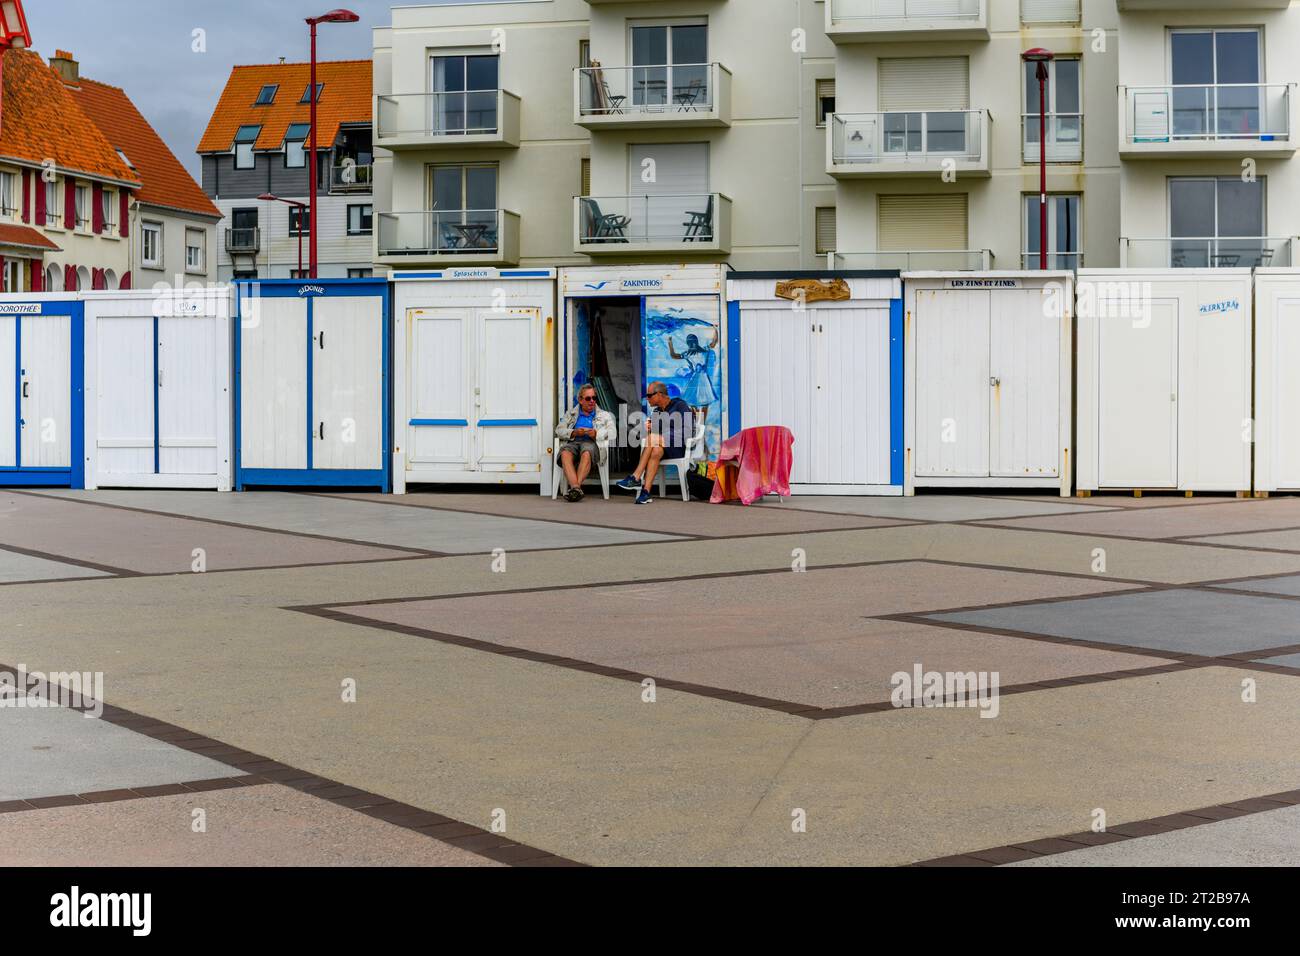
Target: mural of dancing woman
[{"x": 698, "y": 392}]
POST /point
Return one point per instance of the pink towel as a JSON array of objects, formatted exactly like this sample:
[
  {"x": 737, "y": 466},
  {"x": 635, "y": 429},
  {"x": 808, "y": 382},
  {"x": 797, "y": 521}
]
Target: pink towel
[{"x": 753, "y": 463}]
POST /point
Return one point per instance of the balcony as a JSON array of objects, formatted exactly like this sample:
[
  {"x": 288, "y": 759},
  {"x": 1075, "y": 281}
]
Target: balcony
[
  {"x": 1056, "y": 261},
  {"x": 453, "y": 236},
  {"x": 861, "y": 145},
  {"x": 1224, "y": 252},
  {"x": 636, "y": 225},
  {"x": 638, "y": 97},
  {"x": 878, "y": 21},
  {"x": 244, "y": 241},
  {"x": 915, "y": 260},
  {"x": 1126, "y": 6},
  {"x": 1204, "y": 122},
  {"x": 351, "y": 178},
  {"x": 1064, "y": 138},
  {"x": 469, "y": 118}
]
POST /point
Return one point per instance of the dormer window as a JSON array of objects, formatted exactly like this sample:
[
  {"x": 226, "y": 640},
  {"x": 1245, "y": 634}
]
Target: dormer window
[
  {"x": 244, "y": 141},
  {"x": 266, "y": 95},
  {"x": 122, "y": 156},
  {"x": 295, "y": 138}
]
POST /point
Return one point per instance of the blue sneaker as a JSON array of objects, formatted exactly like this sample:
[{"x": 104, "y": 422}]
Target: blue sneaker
[
  {"x": 644, "y": 497},
  {"x": 628, "y": 484}
]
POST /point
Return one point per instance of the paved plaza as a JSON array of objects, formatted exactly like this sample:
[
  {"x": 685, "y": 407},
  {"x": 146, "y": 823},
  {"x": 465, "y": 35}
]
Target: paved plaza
[{"x": 486, "y": 678}]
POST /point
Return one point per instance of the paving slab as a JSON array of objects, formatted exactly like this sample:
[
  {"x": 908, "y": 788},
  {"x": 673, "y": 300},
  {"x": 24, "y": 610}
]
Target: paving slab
[
  {"x": 158, "y": 544},
  {"x": 1185, "y": 621},
  {"x": 1271, "y": 540},
  {"x": 675, "y": 517},
  {"x": 1212, "y": 519},
  {"x": 924, "y": 507},
  {"x": 808, "y": 638},
  {"x": 1270, "y": 838},
  {"x": 1283, "y": 660},
  {"x": 264, "y": 825},
  {"x": 15, "y": 566},
  {"x": 1287, "y": 584},
  {"x": 48, "y": 751},
  {"x": 335, "y": 516}
]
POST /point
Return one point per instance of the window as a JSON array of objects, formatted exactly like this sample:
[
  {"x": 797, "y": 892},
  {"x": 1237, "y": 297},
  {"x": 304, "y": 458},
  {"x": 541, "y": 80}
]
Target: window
[
  {"x": 464, "y": 94},
  {"x": 1216, "y": 76},
  {"x": 195, "y": 249},
  {"x": 464, "y": 206},
  {"x": 1062, "y": 232},
  {"x": 825, "y": 100},
  {"x": 360, "y": 273},
  {"x": 1064, "y": 112},
  {"x": 8, "y": 194},
  {"x": 12, "y": 277},
  {"x": 245, "y": 139},
  {"x": 295, "y": 138},
  {"x": 107, "y": 205},
  {"x": 299, "y": 221},
  {"x": 266, "y": 95},
  {"x": 306, "y": 93},
  {"x": 669, "y": 62},
  {"x": 1217, "y": 222},
  {"x": 825, "y": 229},
  {"x": 123, "y": 157},
  {"x": 82, "y": 203},
  {"x": 360, "y": 220},
  {"x": 151, "y": 244},
  {"x": 52, "y": 207},
  {"x": 584, "y": 53},
  {"x": 299, "y": 273}
]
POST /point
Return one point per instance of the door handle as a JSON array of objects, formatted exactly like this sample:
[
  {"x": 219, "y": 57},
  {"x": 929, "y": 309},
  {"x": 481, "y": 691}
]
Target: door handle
[
  {"x": 322, "y": 431},
  {"x": 25, "y": 384},
  {"x": 322, "y": 339},
  {"x": 160, "y": 378}
]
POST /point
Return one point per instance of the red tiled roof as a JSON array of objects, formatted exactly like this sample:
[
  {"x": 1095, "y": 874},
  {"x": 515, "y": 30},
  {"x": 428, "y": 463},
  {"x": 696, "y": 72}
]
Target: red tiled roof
[
  {"x": 166, "y": 182},
  {"x": 41, "y": 120},
  {"x": 345, "y": 99},
  {"x": 25, "y": 236}
]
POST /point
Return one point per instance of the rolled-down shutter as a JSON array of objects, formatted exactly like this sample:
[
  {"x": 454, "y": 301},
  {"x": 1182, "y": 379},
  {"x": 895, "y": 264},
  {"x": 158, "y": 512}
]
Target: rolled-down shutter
[
  {"x": 825, "y": 230},
  {"x": 679, "y": 185},
  {"x": 922, "y": 223},
  {"x": 1049, "y": 11},
  {"x": 925, "y": 83}
]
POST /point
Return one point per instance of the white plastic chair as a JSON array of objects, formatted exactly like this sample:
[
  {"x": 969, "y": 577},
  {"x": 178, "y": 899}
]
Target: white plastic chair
[
  {"x": 602, "y": 468},
  {"x": 694, "y": 454}
]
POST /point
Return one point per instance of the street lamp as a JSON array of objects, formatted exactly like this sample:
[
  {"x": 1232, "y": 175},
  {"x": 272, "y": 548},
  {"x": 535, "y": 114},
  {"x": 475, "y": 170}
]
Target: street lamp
[
  {"x": 334, "y": 16},
  {"x": 13, "y": 32},
  {"x": 1041, "y": 58},
  {"x": 268, "y": 197}
]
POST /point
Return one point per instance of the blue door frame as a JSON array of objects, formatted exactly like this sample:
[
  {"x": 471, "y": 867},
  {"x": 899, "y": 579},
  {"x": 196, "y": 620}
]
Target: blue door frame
[
  {"x": 73, "y": 476},
  {"x": 310, "y": 290}
]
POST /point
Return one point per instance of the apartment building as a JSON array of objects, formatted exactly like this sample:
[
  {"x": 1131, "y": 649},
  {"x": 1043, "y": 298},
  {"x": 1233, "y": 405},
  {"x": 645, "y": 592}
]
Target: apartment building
[
  {"x": 255, "y": 169},
  {"x": 850, "y": 133}
]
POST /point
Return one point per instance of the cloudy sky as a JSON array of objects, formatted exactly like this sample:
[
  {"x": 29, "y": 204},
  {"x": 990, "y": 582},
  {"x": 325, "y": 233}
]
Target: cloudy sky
[{"x": 145, "y": 47}]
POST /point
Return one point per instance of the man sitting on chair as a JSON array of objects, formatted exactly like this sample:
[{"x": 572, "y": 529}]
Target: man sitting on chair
[
  {"x": 665, "y": 440},
  {"x": 582, "y": 431}
]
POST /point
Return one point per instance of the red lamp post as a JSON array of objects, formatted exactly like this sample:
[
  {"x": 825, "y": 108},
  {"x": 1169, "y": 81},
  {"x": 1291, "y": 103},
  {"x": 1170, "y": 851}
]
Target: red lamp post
[
  {"x": 268, "y": 197},
  {"x": 334, "y": 16},
  {"x": 1041, "y": 58}
]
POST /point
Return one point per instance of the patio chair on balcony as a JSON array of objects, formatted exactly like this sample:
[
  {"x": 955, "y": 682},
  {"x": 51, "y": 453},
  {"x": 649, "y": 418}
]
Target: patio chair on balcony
[
  {"x": 602, "y": 99},
  {"x": 699, "y": 225},
  {"x": 599, "y": 226},
  {"x": 686, "y": 96}
]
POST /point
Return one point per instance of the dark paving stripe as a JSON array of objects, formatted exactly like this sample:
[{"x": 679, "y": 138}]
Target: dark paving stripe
[
  {"x": 998, "y": 526},
  {"x": 131, "y": 793},
  {"x": 262, "y": 769},
  {"x": 62, "y": 559},
  {"x": 1016, "y": 852}
]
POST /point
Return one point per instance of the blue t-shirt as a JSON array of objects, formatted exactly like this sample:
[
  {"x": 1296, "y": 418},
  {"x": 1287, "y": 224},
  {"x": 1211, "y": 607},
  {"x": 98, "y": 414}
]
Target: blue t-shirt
[
  {"x": 676, "y": 422},
  {"x": 585, "y": 420}
]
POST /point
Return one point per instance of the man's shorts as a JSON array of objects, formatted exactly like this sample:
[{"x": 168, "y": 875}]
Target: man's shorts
[{"x": 578, "y": 446}]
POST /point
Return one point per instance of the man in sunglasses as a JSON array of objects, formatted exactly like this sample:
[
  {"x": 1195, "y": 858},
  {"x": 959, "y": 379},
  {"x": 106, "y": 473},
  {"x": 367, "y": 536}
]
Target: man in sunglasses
[
  {"x": 665, "y": 440},
  {"x": 586, "y": 431}
]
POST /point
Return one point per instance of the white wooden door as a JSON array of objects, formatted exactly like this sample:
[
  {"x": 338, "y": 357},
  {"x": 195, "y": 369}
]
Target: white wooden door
[
  {"x": 1024, "y": 385},
  {"x": 952, "y": 383},
  {"x": 440, "y": 354},
  {"x": 8, "y": 400},
  {"x": 347, "y": 382},
  {"x": 1285, "y": 438},
  {"x": 1137, "y": 414},
  {"x": 45, "y": 399},
  {"x": 850, "y": 399},
  {"x": 189, "y": 394},
  {"x": 273, "y": 383},
  {"x": 124, "y": 395},
  {"x": 506, "y": 390},
  {"x": 776, "y": 379}
]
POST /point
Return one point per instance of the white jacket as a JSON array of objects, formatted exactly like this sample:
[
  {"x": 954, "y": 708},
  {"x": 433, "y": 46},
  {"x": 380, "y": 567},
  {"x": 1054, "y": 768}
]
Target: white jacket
[{"x": 601, "y": 419}]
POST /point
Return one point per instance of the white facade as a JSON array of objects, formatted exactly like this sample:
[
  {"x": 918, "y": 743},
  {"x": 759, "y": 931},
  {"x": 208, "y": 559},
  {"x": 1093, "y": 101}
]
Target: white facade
[
  {"x": 340, "y": 255},
  {"x": 171, "y": 260}
]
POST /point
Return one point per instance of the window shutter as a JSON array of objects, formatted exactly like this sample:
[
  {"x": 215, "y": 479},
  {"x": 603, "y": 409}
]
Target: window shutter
[
  {"x": 123, "y": 229},
  {"x": 38, "y": 276},
  {"x": 126, "y": 281},
  {"x": 1049, "y": 11},
  {"x": 97, "y": 208},
  {"x": 922, "y": 223},
  {"x": 27, "y": 195},
  {"x": 69, "y": 278},
  {"x": 825, "y": 88},
  {"x": 925, "y": 83},
  {"x": 69, "y": 203},
  {"x": 586, "y": 178},
  {"x": 40, "y": 201},
  {"x": 825, "y": 230}
]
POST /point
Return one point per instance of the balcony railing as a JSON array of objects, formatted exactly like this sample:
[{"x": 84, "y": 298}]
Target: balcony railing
[
  {"x": 667, "y": 94},
  {"x": 916, "y": 260},
  {"x": 905, "y": 19},
  {"x": 1223, "y": 252},
  {"x": 468, "y": 117},
  {"x": 481, "y": 235},
  {"x": 351, "y": 177},
  {"x": 1056, "y": 261},
  {"x": 1064, "y": 137},
  {"x": 1224, "y": 113},
  {"x": 244, "y": 240},
  {"x": 901, "y": 141},
  {"x": 613, "y": 224}
]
